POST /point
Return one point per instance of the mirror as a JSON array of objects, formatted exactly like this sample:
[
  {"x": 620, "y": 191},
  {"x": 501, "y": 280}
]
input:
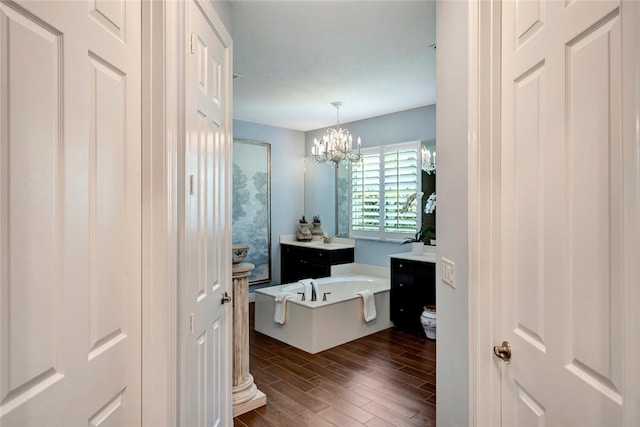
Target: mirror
[
  {"x": 429, "y": 187},
  {"x": 319, "y": 194}
]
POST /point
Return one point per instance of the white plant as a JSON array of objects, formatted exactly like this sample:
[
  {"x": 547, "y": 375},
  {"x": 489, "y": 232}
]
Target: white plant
[{"x": 430, "y": 206}]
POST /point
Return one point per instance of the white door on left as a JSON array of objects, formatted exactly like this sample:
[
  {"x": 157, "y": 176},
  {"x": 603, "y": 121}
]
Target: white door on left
[{"x": 70, "y": 213}]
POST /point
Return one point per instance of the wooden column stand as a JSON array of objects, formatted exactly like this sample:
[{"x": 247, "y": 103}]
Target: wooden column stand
[{"x": 246, "y": 396}]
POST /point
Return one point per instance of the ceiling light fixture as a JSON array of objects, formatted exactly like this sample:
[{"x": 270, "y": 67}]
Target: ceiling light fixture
[{"x": 336, "y": 145}]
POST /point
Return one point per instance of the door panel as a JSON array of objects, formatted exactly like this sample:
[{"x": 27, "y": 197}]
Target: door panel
[
  {"x": 32, "y": 186},
  {"x": 70, "y": 220},
  {"x": 563, "y": 213},
  {"x": 595, "y": 165}
]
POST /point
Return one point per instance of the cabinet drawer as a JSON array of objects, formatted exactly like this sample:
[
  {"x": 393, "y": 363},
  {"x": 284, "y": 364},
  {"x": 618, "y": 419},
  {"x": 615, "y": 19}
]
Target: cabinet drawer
[
  {"x": 402, "y": 279},
  {"x": 317, "y": 256},
  {"x": 403, "y": 266},
  {"x": 342, "y": 256}
]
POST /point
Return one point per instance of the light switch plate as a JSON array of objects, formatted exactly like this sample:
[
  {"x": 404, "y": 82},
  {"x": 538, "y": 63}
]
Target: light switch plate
[{"x": 448, "y": 272}]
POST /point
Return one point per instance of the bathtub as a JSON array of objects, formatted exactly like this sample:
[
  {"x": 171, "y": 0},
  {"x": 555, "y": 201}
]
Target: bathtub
[{"x": 314, "y": 326}]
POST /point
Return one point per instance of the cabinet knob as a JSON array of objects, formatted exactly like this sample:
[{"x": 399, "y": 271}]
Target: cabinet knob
[{"x": 401, "y": 285}]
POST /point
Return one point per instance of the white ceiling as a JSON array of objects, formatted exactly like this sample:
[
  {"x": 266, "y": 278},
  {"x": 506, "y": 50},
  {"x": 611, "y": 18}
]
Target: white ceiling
[{"x": 298, "y": 56}]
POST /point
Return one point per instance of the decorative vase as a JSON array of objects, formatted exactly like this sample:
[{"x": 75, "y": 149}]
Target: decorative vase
[
  {"x": 316, "y": 231},
  {"x": 304, "y": 233},
  {"x": 416, "y": 248},
  {"x": 428, "y": 320},
  {"x": 238, "y": 253}
]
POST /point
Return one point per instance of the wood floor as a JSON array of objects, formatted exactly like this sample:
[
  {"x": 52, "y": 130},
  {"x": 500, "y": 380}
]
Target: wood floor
[{"x": 385, "y": 379}]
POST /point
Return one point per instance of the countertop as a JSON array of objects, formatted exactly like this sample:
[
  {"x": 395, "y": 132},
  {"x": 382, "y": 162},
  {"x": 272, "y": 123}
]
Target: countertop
[
  {"x": 425, "y": 257},
  {"x": 336, "y": 243}
]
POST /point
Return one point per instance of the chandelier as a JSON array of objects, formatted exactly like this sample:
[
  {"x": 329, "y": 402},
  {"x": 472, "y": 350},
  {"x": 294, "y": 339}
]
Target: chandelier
[
  {"x": 336, "y": 145},
  {"x": 428, "y": 161}
]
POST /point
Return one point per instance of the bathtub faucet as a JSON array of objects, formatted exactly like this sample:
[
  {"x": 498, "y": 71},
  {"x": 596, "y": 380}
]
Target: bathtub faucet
[{"x": 314, "y": 296}]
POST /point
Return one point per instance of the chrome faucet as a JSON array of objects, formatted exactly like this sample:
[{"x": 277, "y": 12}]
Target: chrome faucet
[{"x": 314, "y": 296}]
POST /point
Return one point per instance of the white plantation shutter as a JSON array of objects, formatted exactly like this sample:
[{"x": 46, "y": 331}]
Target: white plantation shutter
[
  {"x": 365, "y": 193},
  {"x": 381, "y": 184},
  {"x": 400, "y": 182}
]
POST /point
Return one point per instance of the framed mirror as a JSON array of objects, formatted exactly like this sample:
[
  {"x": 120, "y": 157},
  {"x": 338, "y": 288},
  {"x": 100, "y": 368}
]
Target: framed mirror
[{"x": 251, "y": 201}]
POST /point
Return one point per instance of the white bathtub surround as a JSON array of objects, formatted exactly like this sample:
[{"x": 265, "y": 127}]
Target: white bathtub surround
[
  {"x": 246, "y": 396},
  {"x": 364, "y": 269},
  {"x": 314, "y": 326},
  {"x": 280, "y": 315},
  {"x": 368, "y": 305}
]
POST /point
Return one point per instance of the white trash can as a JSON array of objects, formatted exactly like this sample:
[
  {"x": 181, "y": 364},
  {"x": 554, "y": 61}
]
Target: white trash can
[{"x": 428, "y": 320}]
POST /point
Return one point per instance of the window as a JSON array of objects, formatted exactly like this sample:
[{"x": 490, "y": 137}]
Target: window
[{"x": 383, "y": 184}]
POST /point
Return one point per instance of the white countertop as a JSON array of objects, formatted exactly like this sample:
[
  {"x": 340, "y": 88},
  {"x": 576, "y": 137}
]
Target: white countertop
[
  {"x": 424, "y": 257},
  {"x": 336, "y": 243}
]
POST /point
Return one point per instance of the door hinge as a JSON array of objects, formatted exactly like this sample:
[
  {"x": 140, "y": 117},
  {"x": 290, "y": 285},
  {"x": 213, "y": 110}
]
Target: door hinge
[
  {"x": 191, "y": 185},
  {"x": 192, "y": 48},
  {"x": 191, "y": 323}
]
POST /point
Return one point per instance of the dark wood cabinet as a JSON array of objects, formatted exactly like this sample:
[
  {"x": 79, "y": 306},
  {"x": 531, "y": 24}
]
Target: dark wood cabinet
[
  {"x": 299, "y": 262},
  {"x": 413, "y": 285}
]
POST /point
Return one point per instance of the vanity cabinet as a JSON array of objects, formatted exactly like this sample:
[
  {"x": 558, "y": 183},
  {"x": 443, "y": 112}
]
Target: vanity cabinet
[
  {"x": 413, "y": 285},
  {"x": 299, "y": 262}
]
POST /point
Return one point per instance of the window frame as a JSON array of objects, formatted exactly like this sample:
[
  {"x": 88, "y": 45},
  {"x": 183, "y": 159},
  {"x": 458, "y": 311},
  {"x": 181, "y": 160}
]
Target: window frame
[{"x": 381, "y": 234}]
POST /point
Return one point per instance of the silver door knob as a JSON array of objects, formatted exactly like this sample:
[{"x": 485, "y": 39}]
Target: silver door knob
[{"x": 503, "y": 351}]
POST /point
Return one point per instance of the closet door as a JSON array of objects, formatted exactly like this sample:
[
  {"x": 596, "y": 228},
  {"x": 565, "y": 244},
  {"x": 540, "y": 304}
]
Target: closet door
[
  {"x": 70, "y": 213},
  {"x": 569, "y": 213}
]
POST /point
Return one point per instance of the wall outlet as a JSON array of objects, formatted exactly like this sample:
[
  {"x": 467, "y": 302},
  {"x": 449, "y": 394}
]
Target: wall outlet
[{"x": 448, "y": 272}]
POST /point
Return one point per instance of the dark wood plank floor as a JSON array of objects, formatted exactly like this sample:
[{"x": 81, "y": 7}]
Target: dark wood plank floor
[{"x": 385, "y": 379}]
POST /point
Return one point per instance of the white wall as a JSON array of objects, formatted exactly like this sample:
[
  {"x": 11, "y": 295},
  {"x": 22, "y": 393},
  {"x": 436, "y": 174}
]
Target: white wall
[
  {"x": 452, "y": 213},
  {"x": 287, "y": 180},
  {"x": 410, "y": 125}
]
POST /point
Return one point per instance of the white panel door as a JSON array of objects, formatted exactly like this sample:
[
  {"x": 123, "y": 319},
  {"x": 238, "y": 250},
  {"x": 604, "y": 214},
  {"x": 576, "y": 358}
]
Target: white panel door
[
  {"x": 563, "y": 213},
  {"x": 207, "y": 225},
  {"x": 70, "y": 213}
]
